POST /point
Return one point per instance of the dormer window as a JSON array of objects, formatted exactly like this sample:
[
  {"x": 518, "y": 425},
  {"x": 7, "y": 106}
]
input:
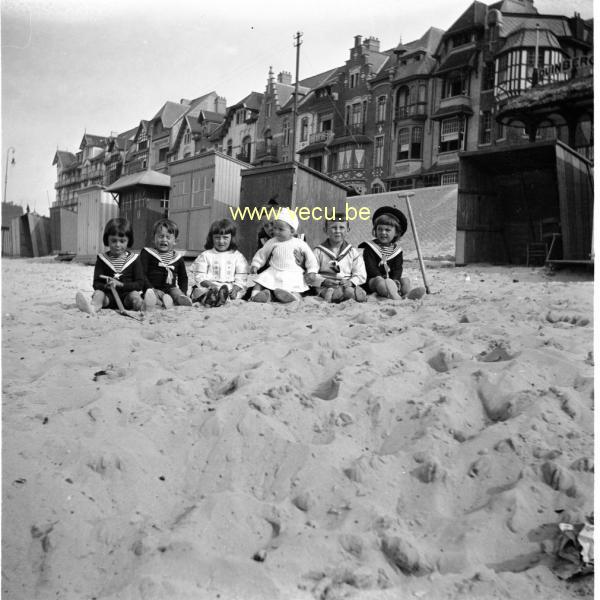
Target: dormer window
[
  {"x": 456, "y": 84},
  {"x": 187, "y": 138},
  {"x": 240, "y": 116}
]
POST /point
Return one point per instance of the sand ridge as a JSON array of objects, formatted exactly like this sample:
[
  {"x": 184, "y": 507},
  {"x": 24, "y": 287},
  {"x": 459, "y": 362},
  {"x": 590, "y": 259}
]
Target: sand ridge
[{"x": 426, "y": 448}]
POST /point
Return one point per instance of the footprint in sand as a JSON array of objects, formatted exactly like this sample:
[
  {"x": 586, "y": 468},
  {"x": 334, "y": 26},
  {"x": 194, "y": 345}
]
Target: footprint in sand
[
  {"x": 329, "y": 389},
  {"x": 558, "y": 478},
  {"x": 554, "y": 317},
  {"x": 405, "y": 556}
]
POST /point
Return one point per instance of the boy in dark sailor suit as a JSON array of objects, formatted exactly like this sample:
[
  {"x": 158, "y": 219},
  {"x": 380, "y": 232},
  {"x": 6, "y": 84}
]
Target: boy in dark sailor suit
[
  {"x": 165, "y": 275},
  {"x": 120, "y": 265},
  {"x": 384, "y": 258}
]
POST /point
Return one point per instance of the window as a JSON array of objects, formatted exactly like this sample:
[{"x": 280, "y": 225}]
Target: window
[
  {"x": 381, "y": 102},
  {"x": 240, "y": 116},
  {"x": 268, "y": 110},
  {"x": 450, "y": 134},
  {"x": 354, "y": 77},
  {"x": 347, "y": 119},
  {"x": 378, "y": 158},
  {"x": 401, "y": 184},
  {"x": 229, "y": 147},
  {"x": 416, "y": 140},
  {"x": 485, "y": 128},
  {"x": 162, "y": 154},
  {"x": 304, "y": 129},
  {"x": 286, "y": 132},
  {"x": 247, "y": 148},
  {"x": 187, "y": 138},
  {"x": 456, "y": 84},
  {"x": 487, "y": 79},
  {"x": 142, "y": 140},
  {"x": 500, "y": 133},
  {"x": 448, "y": 178},
  {"x": 462, "y": 38},
  {"x": 403, "y": 144},
  {"x": 377, "y": 188},
  {"x": 326, "y": 123},
  {"x": 356, "y": 113}
]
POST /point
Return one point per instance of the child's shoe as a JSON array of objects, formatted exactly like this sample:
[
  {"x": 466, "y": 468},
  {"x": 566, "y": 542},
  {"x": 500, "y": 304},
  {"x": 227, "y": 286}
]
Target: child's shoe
[
  {"x": 222, "y": 295},
  {"x": 327, "y": 294},
  {"x": 416, "y": 293},
  {"x": 167, "y": 301},
  {"x": 359, "y": 294},
  {"x": 183, "y": 300},
  {"x": 84, "y": 305},
  {"x": 284, "y": 296},
  {"x": 262, "y": 296},
  {"x": 150, "y": 300}
]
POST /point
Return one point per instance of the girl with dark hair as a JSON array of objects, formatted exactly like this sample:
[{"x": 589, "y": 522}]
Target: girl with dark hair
[
  {"x": 119, "y": 268},
  {"x": 221, "y": 271}
]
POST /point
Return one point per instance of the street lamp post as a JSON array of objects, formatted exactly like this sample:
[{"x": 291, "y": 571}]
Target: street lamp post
[{"x": 12, "y": 162}]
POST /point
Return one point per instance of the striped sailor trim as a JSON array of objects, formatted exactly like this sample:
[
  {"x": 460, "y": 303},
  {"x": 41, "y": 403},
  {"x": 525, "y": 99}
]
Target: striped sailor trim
[
  {"x": 115, "y": 266},
  {"x": 379, "y": 253}
]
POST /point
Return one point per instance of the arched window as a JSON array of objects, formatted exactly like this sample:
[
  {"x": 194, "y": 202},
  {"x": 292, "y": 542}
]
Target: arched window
[
  {"x": 247, "y": 148},
  {"x": 229, "y": 147},
  {"x": 402, "y": 102},
  {"x": 377, "y": 188}
]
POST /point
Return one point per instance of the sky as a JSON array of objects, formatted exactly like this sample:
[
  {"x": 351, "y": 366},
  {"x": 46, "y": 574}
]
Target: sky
[{"x": 69, "y": 66}]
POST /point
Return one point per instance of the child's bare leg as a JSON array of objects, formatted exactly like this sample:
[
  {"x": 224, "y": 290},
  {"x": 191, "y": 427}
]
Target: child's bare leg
[
  {"x": 379, "y": 286},
  {"x": 99, "y": 300},
  {"x": 178, "y": 297},
  {"x": 404, "y": 286},
  {"x": 392, "y": 288},
  {"x": 133, "y": 301},
  {"x": 338, "y": 294},
  {"x": 260, "y": 294}
]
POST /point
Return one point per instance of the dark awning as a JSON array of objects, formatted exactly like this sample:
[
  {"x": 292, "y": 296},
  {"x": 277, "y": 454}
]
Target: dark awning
[
  {"x": 312, "y": 147},
  {"x": 463, "y": 59},
  {"x": 351, "y": 139},
  {"x": 450, "y": 111}
]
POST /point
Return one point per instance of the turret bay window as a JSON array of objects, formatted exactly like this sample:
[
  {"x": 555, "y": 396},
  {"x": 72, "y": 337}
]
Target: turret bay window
[
  {"x": 142, "y": 140},
  {"x": 451, "y": 134},
  {"x": 515, "y": 69},
  {"x": 456, "y": 84},
  {"x": 349, "y": 156},
  {"x": 411, "y": 100},
  {"x": 410, "y": 143}
]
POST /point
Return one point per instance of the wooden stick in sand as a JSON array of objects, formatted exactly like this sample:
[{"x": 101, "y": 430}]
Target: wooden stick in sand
[
  {"x": 414, "y": 231},
  {"x": 122, "y": 310}
]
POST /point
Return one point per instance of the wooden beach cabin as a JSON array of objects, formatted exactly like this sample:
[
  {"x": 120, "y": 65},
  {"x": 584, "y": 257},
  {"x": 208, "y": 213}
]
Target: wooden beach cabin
[
  {"x": 203, "y": 187},
  {"x": 525, "y": 205},
  {"x": 289, "y": 184},
  {"x": 63, "y": 230},
  {"x": 142, "y": 198},
  {"x": 30, "y": 235}
]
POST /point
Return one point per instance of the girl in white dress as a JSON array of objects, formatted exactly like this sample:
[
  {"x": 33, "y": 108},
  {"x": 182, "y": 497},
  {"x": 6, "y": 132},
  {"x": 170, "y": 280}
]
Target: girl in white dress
[
  {"x": 284, "y": 278},
  {"x": 221, "y": 271}
]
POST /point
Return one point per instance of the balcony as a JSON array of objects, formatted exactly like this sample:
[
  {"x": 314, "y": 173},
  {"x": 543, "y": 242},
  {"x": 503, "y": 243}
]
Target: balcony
[
  {"x": 411, "y": 111},
  {"x": 267, "y": 151},
  {"x": 355, "y": 128},
  {"x": 243, "y": 157},
  {"x": 321, "y": 136}
]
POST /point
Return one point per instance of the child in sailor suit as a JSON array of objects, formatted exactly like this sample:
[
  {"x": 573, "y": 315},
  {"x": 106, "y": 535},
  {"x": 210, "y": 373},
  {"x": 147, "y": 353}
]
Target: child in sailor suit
[
  {"x": 165, "y": 275},
  {"x": 341, "y": 267}
]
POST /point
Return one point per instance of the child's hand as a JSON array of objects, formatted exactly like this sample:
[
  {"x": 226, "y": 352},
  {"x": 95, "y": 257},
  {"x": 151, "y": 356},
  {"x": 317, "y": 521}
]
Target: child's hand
[
  {"x": 113, "y": 283},
  {"x": 299, "y": 256},
  {"x": 346, "y": 283},
  {"x": 235, "y": 290},
  {"x": 310, "y": 278},
  {"x": 329, "y": 283},
  {"x": 253, "y": 270}
]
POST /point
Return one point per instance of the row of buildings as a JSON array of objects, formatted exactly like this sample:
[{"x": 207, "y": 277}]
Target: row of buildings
[{"x": 385, "y": 120}]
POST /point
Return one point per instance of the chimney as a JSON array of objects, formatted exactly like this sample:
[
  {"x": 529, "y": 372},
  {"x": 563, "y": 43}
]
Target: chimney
[
  {"x": 220, "y": 105},
  {"x": 371, "y": 44},
  {"x": 285, "y": 77},
  {"x": 357, "y": 41}
]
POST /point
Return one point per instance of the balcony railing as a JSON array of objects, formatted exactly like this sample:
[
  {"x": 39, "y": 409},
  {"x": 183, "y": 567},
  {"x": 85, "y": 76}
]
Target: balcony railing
[
  {"x": 321, "y": 136},
  {"x": 355, "y": 128},
  {"x": 243, "y": 157},
  {"x": 411, "y": 110},
  {"x": 266, "y": 150}
]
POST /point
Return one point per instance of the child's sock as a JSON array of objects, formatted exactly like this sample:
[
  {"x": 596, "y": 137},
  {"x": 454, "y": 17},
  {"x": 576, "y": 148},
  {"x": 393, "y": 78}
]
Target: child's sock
[
  {"x": 359, "y": 294},
  {"x": 84, "y": 305},
  {"x": 149, "y": 300}
]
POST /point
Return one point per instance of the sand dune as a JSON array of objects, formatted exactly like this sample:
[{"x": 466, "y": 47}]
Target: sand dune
[{"x": 379, "y": 451}]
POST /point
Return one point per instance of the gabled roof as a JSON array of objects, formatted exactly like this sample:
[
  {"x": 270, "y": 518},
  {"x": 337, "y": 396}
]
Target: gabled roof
[
  {"x": 514, "y": 6},
  {"x": 64, "y": 159},
  {"x": 558, "y": 25},
  {"x": 252, "y": 101},
  {"x": 96, "y": 141},
  {"x": 170, "y": 113},
  {"x": 474, "y": 16},
  {"x": 210, "y": 117},
  {"x": 147, "y": 177},
  {"x": 315, "y": 81},
  {"x": 427, "y": 43}
]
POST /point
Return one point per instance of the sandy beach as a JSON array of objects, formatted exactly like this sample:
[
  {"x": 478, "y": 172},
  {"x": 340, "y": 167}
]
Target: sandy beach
[{"x": 393, "y": 449}]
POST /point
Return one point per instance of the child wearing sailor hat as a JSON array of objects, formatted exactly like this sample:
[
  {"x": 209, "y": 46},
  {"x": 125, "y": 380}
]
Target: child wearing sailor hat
[
  {"x": 284, "y": 277},
  {"x": 384, "y": 258}
]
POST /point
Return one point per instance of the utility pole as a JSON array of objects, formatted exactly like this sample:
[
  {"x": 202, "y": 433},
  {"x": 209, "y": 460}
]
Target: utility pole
[
  {"x": 297, "y": 45},
  {"x": 12, "y": 162}
]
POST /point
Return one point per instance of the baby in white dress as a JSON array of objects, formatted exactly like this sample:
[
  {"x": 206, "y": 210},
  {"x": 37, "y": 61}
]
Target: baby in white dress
[{"x": 284, "y": 278}]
